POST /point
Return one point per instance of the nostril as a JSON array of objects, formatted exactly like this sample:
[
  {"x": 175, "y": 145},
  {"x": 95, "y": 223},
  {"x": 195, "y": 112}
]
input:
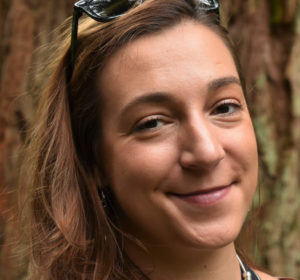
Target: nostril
[{"x": 201, "y": 158}]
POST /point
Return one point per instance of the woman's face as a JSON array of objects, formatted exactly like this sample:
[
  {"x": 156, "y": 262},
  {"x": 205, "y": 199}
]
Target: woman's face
[{"x": 178, "y": 141}]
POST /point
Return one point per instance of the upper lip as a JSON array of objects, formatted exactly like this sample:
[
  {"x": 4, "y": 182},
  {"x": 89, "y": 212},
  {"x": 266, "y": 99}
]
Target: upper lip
[{"x": 201, "y": 191}]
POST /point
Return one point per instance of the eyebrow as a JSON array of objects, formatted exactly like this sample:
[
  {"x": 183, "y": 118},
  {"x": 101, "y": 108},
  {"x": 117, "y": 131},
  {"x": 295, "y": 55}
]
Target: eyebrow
[
  {"x": 153, "y": 97},
  {"x": 164, "y": 97},
  {"x": 222, "y": 82}
]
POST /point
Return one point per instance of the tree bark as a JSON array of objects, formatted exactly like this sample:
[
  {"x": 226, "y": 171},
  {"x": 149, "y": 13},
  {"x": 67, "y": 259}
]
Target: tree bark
[
  {"x": 25, "y": 25},
  {"x": 267, "y": 36}
]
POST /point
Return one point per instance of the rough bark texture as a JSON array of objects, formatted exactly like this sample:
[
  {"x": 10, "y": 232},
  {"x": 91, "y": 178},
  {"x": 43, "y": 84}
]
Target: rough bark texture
[
  {"x": 268, "y": 38},
  {"x": 25, "y": 25},
  {"x": 267, "y": 34}
]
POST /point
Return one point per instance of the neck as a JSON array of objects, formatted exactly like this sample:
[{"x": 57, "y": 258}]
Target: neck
[{"x": 162, "y": 263}]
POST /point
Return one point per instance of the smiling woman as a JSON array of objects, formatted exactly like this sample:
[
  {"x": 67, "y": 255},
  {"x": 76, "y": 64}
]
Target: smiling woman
[
  {"x": 143, "y": 155},
  {"x": 178, "y": 176}
]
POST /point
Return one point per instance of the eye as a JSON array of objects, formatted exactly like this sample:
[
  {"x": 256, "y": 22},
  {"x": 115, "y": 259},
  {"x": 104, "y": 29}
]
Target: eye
[
  {"x": 150, "y": 123},
  {"x": 227, "y": 107}
]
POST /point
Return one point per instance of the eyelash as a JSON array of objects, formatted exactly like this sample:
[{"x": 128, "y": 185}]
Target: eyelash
[
  {"x": 139, "y": 127},
  {"x": 237, "y": 107},
  {"x": 143, "y": 125}
]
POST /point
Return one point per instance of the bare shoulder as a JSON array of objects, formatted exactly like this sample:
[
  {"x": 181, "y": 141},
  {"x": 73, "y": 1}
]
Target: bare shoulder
[{"x": 265, "y": 276}]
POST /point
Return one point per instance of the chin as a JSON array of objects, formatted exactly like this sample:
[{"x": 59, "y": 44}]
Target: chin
[{"x": 214, "y": 237}]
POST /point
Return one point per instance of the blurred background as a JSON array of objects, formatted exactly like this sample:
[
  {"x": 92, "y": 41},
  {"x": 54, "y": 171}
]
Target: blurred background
[{"x": 267, "y": 35}]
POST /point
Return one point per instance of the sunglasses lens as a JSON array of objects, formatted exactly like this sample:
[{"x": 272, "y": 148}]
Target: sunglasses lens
[
  {"x": 208, "y": 4},
  {"x": 116, "y": 8},
  {"x": 104, "y": 10}
]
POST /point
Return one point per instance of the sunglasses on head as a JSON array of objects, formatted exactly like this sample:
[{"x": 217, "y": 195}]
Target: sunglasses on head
[{"x": 107, "y": 10}]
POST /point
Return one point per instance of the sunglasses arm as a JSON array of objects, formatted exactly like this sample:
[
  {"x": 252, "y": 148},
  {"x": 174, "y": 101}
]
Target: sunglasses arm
[{"x": 77, "y": 13}]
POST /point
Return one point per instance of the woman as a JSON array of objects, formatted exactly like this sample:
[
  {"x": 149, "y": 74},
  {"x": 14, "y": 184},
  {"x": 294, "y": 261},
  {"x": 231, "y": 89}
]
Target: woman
[{"x": 143, "y": 156}]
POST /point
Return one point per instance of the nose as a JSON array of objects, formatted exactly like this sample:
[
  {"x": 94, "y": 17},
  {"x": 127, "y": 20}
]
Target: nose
[{"x": 201, "y": 144}]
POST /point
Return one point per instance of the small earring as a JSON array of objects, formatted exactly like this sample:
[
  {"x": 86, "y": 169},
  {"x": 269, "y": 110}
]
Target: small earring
[{"x": 103, "y": 198}]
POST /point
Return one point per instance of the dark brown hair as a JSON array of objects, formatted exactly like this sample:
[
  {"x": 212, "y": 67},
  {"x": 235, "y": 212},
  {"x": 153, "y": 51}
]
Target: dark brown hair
[{"x": 73, "y": 236}]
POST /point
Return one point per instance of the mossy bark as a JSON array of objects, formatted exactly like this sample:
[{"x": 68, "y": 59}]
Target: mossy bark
[{"x": 267, "y": 34}]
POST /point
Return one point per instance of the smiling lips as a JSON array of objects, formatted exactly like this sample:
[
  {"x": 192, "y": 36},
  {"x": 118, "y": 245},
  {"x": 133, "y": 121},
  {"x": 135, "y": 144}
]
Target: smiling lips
[{"x": 204, "y": 197}]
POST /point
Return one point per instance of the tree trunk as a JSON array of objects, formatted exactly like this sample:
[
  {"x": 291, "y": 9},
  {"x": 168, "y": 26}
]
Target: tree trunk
[
  {"x": 25, "y": 25},
  {"x": 267, "y": 36}
]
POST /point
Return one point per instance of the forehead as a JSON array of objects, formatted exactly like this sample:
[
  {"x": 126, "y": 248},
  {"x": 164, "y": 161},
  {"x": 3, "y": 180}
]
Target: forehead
[{"x": 186, "y": 52}]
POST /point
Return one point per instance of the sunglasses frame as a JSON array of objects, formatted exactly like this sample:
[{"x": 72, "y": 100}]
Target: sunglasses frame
[{"x": 89, "y": 8}]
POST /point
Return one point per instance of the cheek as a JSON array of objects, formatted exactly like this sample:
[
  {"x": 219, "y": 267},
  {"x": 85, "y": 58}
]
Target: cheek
[
  {"x": 141, "y": 167},
  {"x": 244, "y": 153},
  {"x": 249, "y": 150},
  {"x": 136, "y": 176}
]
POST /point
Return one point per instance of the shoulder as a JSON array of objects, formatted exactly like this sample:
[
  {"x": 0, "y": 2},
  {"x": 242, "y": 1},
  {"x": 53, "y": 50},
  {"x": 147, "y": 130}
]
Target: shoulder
[
  {"x": 265, "y": 276},
  {"x": 286, "y": 278}
]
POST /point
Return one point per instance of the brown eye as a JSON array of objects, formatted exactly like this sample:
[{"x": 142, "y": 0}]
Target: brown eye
[
  {"x": 227, "y": 108},
  {"x": 150, "y": 124}
]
